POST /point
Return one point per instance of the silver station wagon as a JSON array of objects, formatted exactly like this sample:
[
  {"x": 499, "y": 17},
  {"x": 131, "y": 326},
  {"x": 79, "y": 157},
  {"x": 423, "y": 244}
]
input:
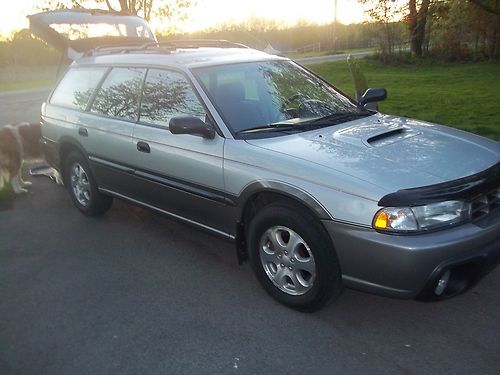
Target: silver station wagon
[{"x": 315, "y": 190}]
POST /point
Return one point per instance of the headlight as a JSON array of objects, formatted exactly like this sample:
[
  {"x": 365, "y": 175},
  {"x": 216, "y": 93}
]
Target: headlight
[{"x": 421, "y": 218}]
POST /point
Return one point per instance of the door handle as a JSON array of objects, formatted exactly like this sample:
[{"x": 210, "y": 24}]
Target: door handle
[
  {"x": 143, "y": 147},
  {"x": 83, "y": 132}
]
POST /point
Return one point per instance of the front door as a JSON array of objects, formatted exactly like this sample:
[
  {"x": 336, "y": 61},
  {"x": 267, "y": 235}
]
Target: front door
[{"x": 181, "y": 174}]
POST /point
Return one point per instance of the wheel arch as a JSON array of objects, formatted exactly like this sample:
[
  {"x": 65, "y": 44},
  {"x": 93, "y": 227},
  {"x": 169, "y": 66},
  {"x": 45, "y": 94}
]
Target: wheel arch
[
  {"x": 260, "y": 194},
  {"x": 66, "y": 146}
]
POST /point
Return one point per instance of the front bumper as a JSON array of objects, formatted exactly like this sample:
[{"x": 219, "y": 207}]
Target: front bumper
[{"x": 409, "y": 266}]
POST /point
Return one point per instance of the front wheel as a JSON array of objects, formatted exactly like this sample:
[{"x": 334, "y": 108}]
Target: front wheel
[
  {"x": 83, "y": 188},
  {"x": 293, "y": 258}
]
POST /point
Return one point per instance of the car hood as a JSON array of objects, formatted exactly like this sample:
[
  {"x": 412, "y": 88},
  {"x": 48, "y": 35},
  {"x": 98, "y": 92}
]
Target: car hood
[{"x": 391, "y": 152}]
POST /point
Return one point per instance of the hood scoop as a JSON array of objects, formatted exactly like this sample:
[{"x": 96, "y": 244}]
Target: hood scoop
[
  {"x": 376, "y": 133},
  {"x": 383, "y": 136},
  {"x": 389, "y": 136}
]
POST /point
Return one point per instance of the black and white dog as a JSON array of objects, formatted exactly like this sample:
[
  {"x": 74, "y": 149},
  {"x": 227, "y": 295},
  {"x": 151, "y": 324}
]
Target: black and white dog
[{"x": 18, "y": 143}]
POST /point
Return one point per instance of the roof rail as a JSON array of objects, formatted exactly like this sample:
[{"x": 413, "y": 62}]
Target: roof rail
[
  {"x": 162, "y": 47},
  {"x": 199, "y": 43},
  {"x": 124, "y": 48}
]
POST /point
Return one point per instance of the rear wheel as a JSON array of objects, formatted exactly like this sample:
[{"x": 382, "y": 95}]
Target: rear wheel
[
  {"x": 83, "y": 188},
  {"x": 293, "y": 258}
]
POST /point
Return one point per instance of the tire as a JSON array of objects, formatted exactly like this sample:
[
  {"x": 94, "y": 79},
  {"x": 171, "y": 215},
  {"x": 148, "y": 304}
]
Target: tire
[
  {"x": 83, "y": 188},
  {"x": 293, "y": 258}
]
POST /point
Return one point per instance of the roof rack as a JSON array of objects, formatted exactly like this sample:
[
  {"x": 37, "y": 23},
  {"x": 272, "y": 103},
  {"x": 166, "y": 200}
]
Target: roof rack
[
  {"x": 124, "y": 48},
  {"x": 200, "y": 43},
  {"x": 163, "y": 47}
]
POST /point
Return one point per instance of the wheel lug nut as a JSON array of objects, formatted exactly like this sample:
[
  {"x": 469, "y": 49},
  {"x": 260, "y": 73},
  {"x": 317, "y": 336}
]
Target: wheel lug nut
[
  {"x": 286, "y": 252},
  {"x": 282, "y": 265},
  {"x": 279, "y": 255},
  {"x": 292, "y": 260},
  {"x": 290, "y": 268}
]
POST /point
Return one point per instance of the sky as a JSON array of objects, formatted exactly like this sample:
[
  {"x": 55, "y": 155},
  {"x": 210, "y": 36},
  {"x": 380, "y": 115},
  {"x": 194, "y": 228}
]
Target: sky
[{"x": 212, "y": 12}]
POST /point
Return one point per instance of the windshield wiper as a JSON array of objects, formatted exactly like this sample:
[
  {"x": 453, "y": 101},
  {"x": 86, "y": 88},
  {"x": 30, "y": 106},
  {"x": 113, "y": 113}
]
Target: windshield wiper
[
  {"x": 317, "y": 123},
  {"x": 283, "y": 126},
  {"x": 335, "y": 118}
]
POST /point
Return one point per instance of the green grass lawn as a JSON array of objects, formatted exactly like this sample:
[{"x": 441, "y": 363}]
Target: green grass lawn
[
  {"x": 26, "y": 85},
  {"x": 465, "y": 96}
]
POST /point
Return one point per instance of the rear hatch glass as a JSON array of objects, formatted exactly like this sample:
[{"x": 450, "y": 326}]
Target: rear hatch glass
[{"x": 76, "y": 31}]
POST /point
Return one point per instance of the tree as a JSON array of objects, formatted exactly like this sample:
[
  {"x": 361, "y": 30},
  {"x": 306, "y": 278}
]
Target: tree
[
  {"x": 451, "y": 32},
  {"x": 490, "y": 6},
  {"x": 169, "y": 9},
  {"x": 417, "y": 19},
  {"x": 486, "y": 22},
  {"x": 463, "y": 30},
  {"x": 385, "y": 13}
]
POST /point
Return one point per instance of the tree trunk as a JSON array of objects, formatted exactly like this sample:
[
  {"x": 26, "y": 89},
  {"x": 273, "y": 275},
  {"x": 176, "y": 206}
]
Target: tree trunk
[
  {"x": 476, "y": 42},
  {"x": 416, "y": 25},
  {"x": 124, "y": 5}
]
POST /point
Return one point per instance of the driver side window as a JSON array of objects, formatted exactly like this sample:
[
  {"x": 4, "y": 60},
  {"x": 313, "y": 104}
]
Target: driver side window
[{"x": 168, "y": 94}]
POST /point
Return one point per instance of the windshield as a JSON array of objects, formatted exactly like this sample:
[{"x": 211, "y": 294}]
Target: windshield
[{"x": 270, "y": 95}]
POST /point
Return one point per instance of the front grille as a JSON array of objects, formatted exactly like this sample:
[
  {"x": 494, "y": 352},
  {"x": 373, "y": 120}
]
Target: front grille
[{"x": 484, "y": 204}]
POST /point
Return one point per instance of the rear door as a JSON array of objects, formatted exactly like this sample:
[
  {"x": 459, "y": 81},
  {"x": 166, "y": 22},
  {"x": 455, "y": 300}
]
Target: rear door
[
  {"x": 76, "y": 31},
  {"x": 109, "y": 125},
  {"x": 181, "y": 174}
]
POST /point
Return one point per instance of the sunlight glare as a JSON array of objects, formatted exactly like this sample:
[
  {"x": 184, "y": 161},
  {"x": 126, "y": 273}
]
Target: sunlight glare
[{"x": 210, "y": 13}]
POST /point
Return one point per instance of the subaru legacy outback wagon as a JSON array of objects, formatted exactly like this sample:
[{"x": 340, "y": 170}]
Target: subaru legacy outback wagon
[{"x": 314, "y": 189}]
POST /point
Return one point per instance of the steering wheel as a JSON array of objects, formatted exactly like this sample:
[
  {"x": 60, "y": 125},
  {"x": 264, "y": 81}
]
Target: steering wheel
[
  {"x": 293, "y": 98},
  {"x": 314, "y": 108},
  {"x": 292, "y": 112}
]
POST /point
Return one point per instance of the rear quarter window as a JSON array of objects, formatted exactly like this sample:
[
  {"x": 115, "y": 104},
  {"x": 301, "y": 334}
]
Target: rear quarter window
[{"x": 77, "y": 87}]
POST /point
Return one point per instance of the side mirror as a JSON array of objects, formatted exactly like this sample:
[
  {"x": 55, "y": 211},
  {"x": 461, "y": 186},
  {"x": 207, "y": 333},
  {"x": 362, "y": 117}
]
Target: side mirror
[
  {"x": 191, "y": 125},
  {"x": 373, "y": 95}
]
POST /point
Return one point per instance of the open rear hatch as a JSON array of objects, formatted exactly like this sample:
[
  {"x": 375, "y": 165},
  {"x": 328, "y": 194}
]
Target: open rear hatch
[{"x": 76, "y": 31}]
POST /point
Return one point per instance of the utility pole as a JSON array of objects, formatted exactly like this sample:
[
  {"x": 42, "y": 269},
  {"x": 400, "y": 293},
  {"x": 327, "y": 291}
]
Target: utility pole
[{"x": 334, "y": 25}]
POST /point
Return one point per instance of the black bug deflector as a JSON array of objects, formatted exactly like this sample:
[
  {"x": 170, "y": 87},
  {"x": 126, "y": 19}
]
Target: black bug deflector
[
  {"x": 464, "y": 188},
  {"x": 76, "y": 31}
]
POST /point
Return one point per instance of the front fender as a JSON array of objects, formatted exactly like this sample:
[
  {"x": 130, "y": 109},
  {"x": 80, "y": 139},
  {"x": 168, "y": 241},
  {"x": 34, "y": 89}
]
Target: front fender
[{"x": 285, "y": 189}]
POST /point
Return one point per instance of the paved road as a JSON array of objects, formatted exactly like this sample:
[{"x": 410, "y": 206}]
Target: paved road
[
  {"x": 135, "y": 293},
  {"x": 321, "y": 59},
  {"x": 22, "y": 105}
]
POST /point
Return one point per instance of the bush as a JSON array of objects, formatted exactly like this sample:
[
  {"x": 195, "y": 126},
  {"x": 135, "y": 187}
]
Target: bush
[{"x": 27, "y": 50}]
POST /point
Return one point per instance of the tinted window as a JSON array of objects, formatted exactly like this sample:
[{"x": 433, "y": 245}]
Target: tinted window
[
  {"x": 166, "y": 95},
  {"x": 77, "y": 87},
  {"x": 119, "y": 94}
]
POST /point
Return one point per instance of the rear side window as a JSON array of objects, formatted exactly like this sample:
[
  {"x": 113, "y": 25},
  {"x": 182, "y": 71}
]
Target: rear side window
[
  {"x": 119, "y": 94},
  {"x": 77, "y": 87}
]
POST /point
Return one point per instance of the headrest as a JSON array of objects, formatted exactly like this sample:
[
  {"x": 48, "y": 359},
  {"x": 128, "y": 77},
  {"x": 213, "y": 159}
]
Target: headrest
[{"x": 230, "y": 92}]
